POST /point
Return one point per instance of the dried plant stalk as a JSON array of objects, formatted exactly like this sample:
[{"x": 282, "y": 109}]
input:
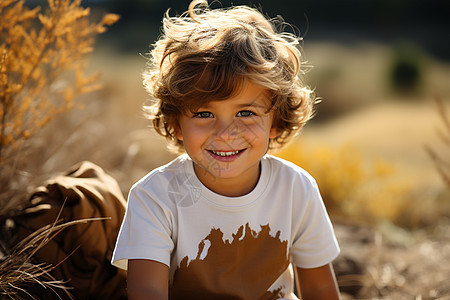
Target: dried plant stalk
[
  {"x": 442, "y": 164},
  {"x": 42, "y": 63}
]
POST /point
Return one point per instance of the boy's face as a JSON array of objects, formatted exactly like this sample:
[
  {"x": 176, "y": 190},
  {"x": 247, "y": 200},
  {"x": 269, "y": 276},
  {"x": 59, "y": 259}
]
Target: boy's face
[{"x": 226, "y": 139}]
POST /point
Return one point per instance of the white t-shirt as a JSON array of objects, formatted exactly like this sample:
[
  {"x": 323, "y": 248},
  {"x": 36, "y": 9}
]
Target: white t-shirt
[{"x": 221, "y": 247}]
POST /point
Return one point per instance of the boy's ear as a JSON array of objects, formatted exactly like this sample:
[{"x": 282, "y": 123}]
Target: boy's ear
[
  {"x": 178, "y": 133},
  {"x": 273, "y": 133}
]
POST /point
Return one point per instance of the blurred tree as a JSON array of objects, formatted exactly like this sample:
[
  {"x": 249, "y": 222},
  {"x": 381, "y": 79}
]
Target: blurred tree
[{"x": 405, "y": 73}]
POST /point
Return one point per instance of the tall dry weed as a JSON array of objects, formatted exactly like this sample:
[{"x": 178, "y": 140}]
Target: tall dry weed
[
  {"x": 442, "y": 162},
  {"x": 42, "y": 70}
]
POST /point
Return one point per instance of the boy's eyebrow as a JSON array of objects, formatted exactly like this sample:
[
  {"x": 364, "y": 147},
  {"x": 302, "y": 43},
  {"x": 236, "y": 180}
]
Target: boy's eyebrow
[
  {"x": 252, "y": 104},
  {"x": 241, "y": 105}
]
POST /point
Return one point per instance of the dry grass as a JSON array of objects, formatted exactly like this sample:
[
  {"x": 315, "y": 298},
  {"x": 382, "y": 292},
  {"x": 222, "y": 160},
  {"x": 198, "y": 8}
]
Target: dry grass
[
  {"x": 21, "y": 277},
  {"x": 389, "y": 269}
]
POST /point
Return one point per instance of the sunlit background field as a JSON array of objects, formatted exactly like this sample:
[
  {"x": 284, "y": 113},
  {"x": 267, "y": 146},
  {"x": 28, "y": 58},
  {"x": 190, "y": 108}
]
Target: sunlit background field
[
  {"x": 367, "y": 150},
  {"x": 376, "y": 145}
]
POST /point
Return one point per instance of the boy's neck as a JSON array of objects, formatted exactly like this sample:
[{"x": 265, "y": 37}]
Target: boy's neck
[{"x": 229, "y": 187}]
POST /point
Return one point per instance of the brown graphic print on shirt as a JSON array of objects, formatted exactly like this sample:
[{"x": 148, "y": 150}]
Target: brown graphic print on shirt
[{"x": 244, "y": 268}]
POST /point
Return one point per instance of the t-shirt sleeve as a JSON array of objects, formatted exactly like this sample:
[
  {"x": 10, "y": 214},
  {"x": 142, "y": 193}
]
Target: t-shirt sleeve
[
  {"x": 314, "y": 243},
  {"x": 146, "y": 230}
]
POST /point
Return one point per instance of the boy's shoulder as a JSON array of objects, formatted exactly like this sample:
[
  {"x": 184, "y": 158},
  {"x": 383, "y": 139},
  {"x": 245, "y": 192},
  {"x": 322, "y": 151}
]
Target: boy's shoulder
[
  {"x": 164, "y": 172},
  {"x": 283, "y": 168}
]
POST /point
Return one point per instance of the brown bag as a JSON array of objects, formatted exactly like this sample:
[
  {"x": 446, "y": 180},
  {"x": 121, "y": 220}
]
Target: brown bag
[{"x": 85, "y": 250}]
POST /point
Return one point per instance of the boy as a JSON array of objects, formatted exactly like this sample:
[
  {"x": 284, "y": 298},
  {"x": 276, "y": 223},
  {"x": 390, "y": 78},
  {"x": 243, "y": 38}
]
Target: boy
[{"x": 226, "y": 220}]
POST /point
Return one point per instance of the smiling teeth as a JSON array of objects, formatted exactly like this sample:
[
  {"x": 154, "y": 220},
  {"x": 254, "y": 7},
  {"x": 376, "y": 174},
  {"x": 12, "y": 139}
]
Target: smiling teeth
[{"x": 221, "y": 153}]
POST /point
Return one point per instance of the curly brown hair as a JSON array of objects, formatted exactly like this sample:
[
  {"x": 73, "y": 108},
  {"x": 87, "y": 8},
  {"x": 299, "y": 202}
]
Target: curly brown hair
[{"x": 206, "y": 54}]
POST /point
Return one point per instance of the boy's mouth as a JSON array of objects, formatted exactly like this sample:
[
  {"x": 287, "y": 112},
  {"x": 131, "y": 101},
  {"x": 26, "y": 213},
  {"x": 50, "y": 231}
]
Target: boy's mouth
[{"x": 225, "y": 154}]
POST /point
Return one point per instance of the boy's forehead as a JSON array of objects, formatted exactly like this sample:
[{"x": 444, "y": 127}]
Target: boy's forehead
[{"x": 260, "y": 100}]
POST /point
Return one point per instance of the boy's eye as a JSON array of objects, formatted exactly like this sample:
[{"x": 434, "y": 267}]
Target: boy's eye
[
  {"x": 245, "y": 113},
  {"x": 203, "y": 114}
]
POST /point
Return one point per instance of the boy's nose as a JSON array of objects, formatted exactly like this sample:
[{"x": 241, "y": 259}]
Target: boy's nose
[{"x": 227, "y": 130}]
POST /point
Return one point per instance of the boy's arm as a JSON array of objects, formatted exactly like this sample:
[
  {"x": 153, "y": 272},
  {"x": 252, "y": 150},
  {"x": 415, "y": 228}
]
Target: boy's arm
[
  {"x": 147, "y": 279},
  {"x": 318, "y": 283}
]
